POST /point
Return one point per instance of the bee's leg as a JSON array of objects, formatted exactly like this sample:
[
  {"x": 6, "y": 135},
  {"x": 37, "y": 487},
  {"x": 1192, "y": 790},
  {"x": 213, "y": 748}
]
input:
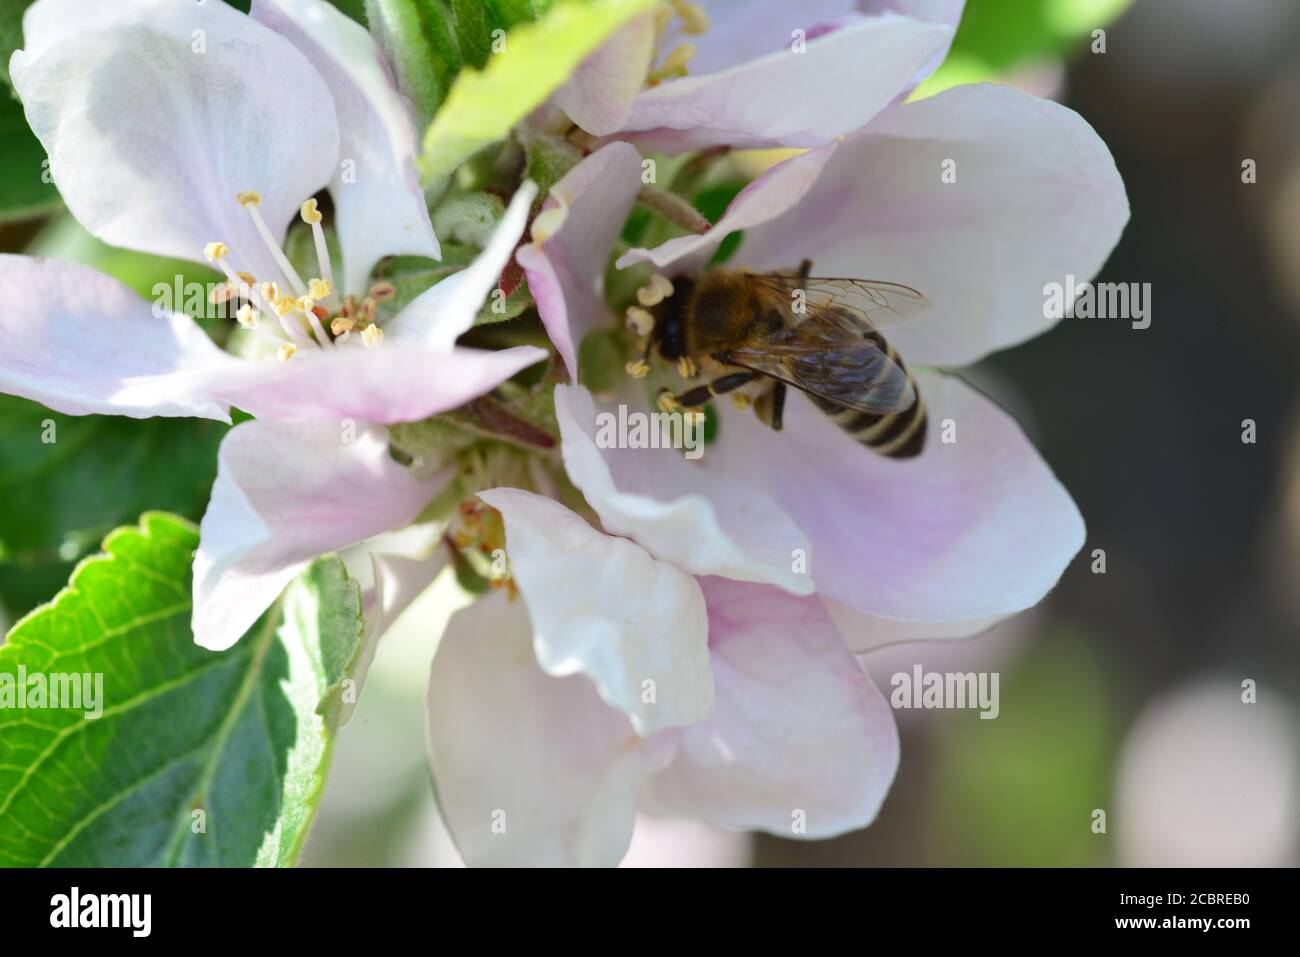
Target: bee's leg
[
  {"x": 805, "y": 269},
  {"x": 770, "y": 403},
  {"x": 778, "y": 406},
  {"x": 703, "y": 393}
]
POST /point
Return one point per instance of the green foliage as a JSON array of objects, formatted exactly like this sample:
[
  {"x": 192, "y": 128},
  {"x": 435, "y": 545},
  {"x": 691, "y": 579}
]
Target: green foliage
[
  {"x": 66, "y": 481},
  {"x": 537, "y": 58},
  {"x": 1019, "y": 790},
  {"x": 996, "y": 36},
  {"x": 419, "y": 38},
  {"x": 24, "y": 194},
  {"x": 198, "y": 758},
  {"x": 11, "y": 32}
]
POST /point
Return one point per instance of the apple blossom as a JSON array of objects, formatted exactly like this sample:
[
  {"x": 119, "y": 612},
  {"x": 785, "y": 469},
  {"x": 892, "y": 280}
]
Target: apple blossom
[
  {"x": 756, "y": 74},
  {"x": 259, "y": 115},
  {"x": 804, "y": 546}
]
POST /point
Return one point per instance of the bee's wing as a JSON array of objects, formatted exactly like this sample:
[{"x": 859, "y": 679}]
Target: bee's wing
[
  {"x": 837, "y": 360},
  {"x": 876, "y": 304}
]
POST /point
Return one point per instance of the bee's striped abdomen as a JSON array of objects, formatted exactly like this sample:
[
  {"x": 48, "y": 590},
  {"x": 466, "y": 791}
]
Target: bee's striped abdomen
[{"x": 899, "y": 435}]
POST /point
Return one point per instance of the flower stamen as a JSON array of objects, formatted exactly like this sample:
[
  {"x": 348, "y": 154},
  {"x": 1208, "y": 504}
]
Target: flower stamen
[
  {"x": 640, "y": 320},
  {"x": 313, "y": 217},
  {"x": 674, "y": 65},
  {"x": 251, "y": 200}
]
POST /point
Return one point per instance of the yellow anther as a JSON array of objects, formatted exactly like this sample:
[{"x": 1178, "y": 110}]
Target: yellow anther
[
  {"x": 319, "y": 288},
  {"x": 249, "y": 197},
  {"x": 686, "y": 367},
  {"x": 662, "y": 283},
  {"x": 341, "y": 325},
  {"x": 382, "y": 291},
  {"x": 246, "y": 316},
  {"x": 215, "y": 251},
  {"x": 247, "y": 277},
  {"x": 270, "y": 291},
  {"x": 310, "y": 214},
  {"x": 287, "y": 352},
  {"x": 304, "y": 304},
  {"x": 674, "y": 64},
  {"x": 667, "y": 402},
  {"x": 638, "y": 369},
  {"x": 640, "y": 321},
  {"x": 284, "y": 305},
  {"x": 649, "y": 296},
  {"x": 694, "y": 18},
  {"x": 741, "y": 400},
  {"x": 371, "y": 336}
]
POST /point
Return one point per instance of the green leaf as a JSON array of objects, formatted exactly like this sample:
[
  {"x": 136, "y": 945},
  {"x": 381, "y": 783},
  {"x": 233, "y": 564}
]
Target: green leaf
[
  {"x": 996, "y": 36},
  {"x": 24, "y": 194},
  {"x": 473, "y": 30},
  {"x": 538, "y": 57},
  {"x": 243, "y": 736},
  {"x": 11, "y": 32},
  {"x": 67, "y": 481},
  {"x": 418, "y": 37},
  {"x": 1020, "y": 790}
]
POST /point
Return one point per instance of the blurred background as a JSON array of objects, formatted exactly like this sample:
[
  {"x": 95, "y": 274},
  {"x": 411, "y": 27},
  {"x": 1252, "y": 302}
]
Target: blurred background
[{"x": 1123, "y": 691}]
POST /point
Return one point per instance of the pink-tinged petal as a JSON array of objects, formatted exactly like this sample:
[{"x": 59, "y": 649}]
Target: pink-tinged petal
[
  {"x": 81, "y": 343},
  {"x": 1036, "y": 198},
  {"x": 284, "y": 495},
  {"x": 529, "y": 770},
  {"x": 443, "y": 312},
  {"x": 599, "y": 95},
  {"x": 673, "y": 842},
  {"x": 155, "y": 119},
  {"x": 975, "y": 529},
  {"x": 788, "y": 98},
  {"x": 767, "y": 197},
  {"x": 799, "y": 735},
  {"x": 739, "y": 32},
  {"x": 394, "y": 382},
  {"x": 707, "y": 521},
  {"x": 865, "y": 632},
  {"x": 602, "y": 607},
  {"x": 376, "y": 190},
  {"x": 566, "y": 272},
  {"x": 946, "y": 12}
]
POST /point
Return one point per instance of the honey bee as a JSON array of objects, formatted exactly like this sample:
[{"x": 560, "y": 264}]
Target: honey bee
[{"x": 820, "y": 336}]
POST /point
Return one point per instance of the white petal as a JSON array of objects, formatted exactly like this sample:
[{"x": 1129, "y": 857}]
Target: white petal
[
  {"x": 964, "y": 534},
  {"x": 439, "y": 315},
  {"x": 705, "y": 521},
  {"x": 739, "y": 32},
  {"x": 566, "y": 273},
  {"x": 790, "y": 98},
  {"x": 799, "y": 734},
  {"x": 155, "y": 119},
  {"x": 602, "y": 607},
  {"x": 1036, "y": 198},
  {"x": 599, "y": 95},
  {"x": 284, "y": 495},
  {"x": 946, "y": 12},
  {"x": 396, "y": 382},
  {"x": 767, "y": 197},
  {"x": 376, "y": 190},
  {"x": 529, "y": 770},
  {"x": 865, "y": 632},
  {"x": 80, "y": 342}
]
